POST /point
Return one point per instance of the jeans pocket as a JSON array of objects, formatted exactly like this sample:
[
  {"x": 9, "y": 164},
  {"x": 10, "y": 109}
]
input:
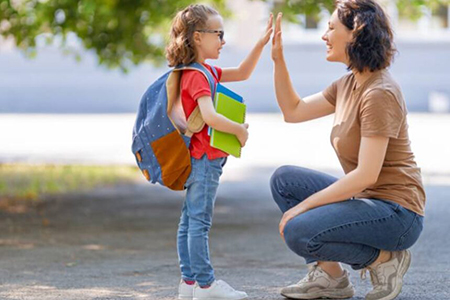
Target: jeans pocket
[{"x": 412, "y": 234}]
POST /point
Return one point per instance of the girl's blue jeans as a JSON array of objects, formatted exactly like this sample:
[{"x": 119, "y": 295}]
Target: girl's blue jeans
[
  {"x": 196, "y": 220},
  {"x": 352, "y": 231}
]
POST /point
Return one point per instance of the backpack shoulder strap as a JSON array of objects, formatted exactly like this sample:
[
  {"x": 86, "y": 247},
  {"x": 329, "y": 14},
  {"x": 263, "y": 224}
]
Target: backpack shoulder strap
[{"x": 195, "y": 122}]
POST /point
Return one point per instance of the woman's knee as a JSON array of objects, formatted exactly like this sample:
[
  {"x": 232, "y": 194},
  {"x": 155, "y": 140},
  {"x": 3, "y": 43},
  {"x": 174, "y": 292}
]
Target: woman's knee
[
  {"x": 282, "y": 178},
  {"x": 297, "y": 236}
]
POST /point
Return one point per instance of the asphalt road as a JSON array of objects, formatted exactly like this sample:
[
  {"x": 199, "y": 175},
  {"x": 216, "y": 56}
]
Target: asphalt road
[{"x": 120, "y": 243}]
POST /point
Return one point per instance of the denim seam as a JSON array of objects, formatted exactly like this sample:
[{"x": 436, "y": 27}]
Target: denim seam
[
  {"x": 308, "y": 244},
  {"x": 406, "y": 233}
]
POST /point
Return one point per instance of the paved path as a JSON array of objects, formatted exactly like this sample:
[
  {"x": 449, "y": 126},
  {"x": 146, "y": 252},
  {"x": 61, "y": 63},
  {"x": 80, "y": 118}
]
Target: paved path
[{"x": 119, "y": 243}]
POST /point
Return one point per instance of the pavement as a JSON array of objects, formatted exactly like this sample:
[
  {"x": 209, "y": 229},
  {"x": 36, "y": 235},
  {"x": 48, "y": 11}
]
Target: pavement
[{"x": 120, "y": 242}]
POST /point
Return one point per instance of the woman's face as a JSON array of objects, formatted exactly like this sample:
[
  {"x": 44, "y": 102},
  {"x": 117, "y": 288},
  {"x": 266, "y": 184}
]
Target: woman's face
[{"x": 337, "y": 37}]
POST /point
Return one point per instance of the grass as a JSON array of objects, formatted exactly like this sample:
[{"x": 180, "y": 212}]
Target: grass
[{"x": 31, "y": 182}]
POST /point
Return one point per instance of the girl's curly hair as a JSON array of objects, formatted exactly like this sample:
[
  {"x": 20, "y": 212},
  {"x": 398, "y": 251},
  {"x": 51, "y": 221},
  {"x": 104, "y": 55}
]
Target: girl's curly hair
[
  {"x": 180, "y": 49},
  {"x": 373, "y": 46}
]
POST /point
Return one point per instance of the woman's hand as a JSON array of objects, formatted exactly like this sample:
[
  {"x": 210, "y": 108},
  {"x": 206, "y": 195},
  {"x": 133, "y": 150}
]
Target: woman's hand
[
  {"x": 269, "y": 29},
  {"x": 277, "y": 43},
  {"x": 288, "y": 215}
]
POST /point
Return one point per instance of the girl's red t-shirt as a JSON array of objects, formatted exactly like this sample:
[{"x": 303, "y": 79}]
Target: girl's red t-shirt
[{"x": 193, "y": 86}]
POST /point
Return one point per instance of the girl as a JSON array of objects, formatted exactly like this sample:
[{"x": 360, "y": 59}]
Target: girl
[{"x": 197, "y": 34}]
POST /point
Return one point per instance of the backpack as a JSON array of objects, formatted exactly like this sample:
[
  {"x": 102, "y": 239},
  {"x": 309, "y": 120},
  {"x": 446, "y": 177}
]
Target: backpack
[{"x": 161, "y": 133}]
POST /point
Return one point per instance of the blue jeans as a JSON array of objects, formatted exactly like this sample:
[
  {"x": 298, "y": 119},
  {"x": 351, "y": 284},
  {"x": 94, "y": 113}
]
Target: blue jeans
[
  {"x": 352, "y": 231},
  {"x": 196, "y": 220}
]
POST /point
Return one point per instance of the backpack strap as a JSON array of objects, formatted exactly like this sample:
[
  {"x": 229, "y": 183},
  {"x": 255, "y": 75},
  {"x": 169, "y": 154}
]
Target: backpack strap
[{"x": 195, "y": 122}]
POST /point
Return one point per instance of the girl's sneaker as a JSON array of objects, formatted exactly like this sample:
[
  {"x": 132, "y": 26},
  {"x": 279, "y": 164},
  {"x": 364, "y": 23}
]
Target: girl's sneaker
[
  {"x": 219, "y": 290},
  {"x": 185, "y": 291},
  {"x": 318, "y": 284}
]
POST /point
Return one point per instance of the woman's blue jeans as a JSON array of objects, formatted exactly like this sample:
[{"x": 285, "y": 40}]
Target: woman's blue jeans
[{"x": 352, "y": 231}]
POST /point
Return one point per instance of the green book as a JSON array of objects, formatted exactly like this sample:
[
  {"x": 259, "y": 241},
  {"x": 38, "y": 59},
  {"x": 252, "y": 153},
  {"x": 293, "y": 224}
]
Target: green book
[{"x": 232, "y": 110}]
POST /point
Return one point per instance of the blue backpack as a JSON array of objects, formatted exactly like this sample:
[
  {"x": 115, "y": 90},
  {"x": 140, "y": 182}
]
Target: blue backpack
[{"x": 162, "y": 134}]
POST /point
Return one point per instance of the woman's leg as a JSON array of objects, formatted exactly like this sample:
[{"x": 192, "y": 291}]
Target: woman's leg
[
  {"x": 351, "y": 231},
  {"x": 290, "y": 185}
]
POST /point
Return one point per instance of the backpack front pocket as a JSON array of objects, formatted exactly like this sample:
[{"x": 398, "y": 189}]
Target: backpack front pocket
[{"x": 174, "y": 159}]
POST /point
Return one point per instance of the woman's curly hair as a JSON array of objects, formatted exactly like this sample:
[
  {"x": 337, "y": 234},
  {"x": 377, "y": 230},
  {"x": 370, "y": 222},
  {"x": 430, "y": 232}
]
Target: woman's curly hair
[
  {"x": 180, "y": 49},
  {"x": 373, "y": 46}
]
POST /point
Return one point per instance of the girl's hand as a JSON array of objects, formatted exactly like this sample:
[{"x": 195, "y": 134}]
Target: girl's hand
[
  {"x": 266, "y": 37},
  {"x": 288, "y": 215},
  {"x": 277, "y": 43},
  {"x": 243, "y": 134}
]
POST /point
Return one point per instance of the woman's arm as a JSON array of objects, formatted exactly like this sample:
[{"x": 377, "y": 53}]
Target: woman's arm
[
  {"x": 219, "y": 122},
  {"x": 294, "y": 109},
  {"x": 371, "y": 157},
  {"x": 247, "y": 66}
]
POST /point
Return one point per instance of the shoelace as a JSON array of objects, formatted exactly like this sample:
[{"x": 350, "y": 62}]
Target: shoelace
[
  {"x": 311, "y": 273},
  {"x": 373, "y": 276}
]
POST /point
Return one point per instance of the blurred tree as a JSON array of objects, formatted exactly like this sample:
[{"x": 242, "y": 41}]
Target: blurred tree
[
  {"x": 292, "y": 8},
  {"x": 121, "y": 32},
  {"x": 124, "y": 33}
]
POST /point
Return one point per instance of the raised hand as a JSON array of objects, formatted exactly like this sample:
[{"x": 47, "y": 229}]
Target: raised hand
[
  {"x": 277, "y": 42},
  {"x": 269, "y": 29}
]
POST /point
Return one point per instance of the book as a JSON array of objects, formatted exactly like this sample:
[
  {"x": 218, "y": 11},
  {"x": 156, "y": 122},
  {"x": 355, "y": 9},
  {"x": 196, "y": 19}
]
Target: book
[
  {"x": 223, "y": 90},
  {"x": 231, "y": 109}
]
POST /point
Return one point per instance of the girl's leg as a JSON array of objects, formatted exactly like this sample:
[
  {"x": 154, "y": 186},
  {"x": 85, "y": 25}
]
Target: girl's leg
[
  {"x": 182, "y": 246},
  {"x": 200, "y": 200}
]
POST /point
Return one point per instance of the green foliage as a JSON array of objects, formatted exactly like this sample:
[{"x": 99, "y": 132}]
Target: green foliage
[
  {"x": 292, "y": 8},
  {"x": 122, "y": 33},
  {"x": 30, "y": 182}
]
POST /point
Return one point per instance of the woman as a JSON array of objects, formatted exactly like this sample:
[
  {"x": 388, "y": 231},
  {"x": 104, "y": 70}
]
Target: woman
[{"x": 368, "y": 218}]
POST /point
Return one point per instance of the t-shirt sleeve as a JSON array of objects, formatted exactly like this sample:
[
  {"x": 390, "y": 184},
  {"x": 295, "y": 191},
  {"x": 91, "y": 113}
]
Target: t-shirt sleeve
[
  {"x": 330, "y": 93},
  {"x": 219, "y": 72},
  {"x": 196, "y": 85},
  {"x": 380, "y": 114}
]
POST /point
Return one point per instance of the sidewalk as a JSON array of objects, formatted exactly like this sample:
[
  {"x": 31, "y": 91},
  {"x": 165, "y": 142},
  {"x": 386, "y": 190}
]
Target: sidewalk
[{"x": 120, "y": 243}]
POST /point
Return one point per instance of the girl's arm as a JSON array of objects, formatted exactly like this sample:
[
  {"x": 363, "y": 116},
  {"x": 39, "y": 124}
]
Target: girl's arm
[
  {"x": 247, "y": 66},
  {"x": 371, "y": 157},
  {"x": 219, "y": 122}
]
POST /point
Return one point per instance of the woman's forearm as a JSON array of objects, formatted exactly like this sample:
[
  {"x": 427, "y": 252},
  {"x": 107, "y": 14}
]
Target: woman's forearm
[
  {"x": 345, "y": 188},
  {"x": 286, "y": 96}
]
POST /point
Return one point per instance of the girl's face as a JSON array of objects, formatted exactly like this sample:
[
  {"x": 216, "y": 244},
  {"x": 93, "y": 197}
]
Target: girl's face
[
  {"x": 337, "y": 37},
  {"x": 207, "y": 40}
]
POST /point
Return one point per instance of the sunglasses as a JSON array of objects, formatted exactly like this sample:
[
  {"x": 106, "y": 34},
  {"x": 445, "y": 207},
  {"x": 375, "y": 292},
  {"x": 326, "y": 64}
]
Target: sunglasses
[{"x": 220, "y": 32}]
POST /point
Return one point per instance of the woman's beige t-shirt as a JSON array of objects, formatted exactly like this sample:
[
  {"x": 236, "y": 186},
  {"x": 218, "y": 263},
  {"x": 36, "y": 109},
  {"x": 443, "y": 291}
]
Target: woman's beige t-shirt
[{"x": 376, "y": 108}]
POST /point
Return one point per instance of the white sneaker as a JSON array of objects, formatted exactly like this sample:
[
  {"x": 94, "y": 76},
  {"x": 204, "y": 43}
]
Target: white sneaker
[
  {"x": 387, "y": 277},
  {"x": 318, "y": 284},
  {"x": 185, "y": 291},
  {"x": 219, "y": 290}
]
